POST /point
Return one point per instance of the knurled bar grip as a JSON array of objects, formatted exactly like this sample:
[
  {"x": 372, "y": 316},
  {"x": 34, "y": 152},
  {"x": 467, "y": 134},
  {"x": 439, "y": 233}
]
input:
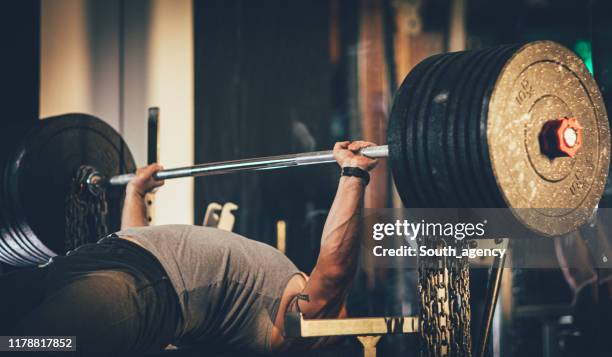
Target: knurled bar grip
[{"x": 253, "y": 164}]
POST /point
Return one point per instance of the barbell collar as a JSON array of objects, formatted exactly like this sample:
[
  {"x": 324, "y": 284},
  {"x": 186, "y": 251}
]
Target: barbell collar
[{"x": 253, "y": 164}]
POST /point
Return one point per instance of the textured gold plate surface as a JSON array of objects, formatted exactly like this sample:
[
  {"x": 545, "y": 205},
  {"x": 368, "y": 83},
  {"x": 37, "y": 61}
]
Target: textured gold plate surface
[{"x": 541, "y": 82}]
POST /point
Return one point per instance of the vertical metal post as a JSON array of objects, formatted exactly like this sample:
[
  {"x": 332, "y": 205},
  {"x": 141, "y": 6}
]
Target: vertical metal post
[
  {"x": 493, "y": 284},
  {"x": 152, "y": 153}
]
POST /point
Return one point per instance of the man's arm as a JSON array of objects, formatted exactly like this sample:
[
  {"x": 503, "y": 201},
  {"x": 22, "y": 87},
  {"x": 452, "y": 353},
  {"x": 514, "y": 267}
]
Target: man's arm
[
  {"x": 325, "y": 292},
  {"x": 134, "y": 207}
]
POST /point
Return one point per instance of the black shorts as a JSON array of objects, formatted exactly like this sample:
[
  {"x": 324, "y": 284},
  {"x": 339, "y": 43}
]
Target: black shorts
[{"x": 114, "y": 296}]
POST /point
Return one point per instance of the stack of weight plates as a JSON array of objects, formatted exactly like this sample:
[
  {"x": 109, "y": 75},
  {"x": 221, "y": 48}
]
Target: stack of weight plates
[
  {"x": 37, "y": 179},
  {"x": 464, "y": 133}
]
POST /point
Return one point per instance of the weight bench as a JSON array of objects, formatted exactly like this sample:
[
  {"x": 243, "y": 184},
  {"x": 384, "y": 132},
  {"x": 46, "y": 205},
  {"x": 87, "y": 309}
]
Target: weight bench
[{"x": 368, "y": 330}]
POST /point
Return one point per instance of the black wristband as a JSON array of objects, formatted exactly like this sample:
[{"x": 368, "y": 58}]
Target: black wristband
[{"x": 357, "y": 172}]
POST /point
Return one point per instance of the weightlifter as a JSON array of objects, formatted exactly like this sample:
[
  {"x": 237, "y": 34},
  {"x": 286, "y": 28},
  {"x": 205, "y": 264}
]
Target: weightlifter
[{"x": 143, "y": 288}]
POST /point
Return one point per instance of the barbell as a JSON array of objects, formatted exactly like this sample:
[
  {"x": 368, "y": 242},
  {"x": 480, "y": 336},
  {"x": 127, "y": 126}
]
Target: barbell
[
  {"x": 225, "y": 167},
  {"x": 518, "y": 126}
]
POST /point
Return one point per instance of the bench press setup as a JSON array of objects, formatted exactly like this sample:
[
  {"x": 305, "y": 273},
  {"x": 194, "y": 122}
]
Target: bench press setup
[{"x": 521, "y": 127}]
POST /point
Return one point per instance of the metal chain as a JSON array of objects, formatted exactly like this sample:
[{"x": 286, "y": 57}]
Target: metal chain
[
  {"x": 460, "y": 302},
  {"x": 445, "y": 309},
  {"x": 86, "y": 212}
]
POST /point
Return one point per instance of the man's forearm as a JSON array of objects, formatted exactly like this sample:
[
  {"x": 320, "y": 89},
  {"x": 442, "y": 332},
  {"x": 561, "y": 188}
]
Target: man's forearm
[
  {"x": 134, "y": 206},
  {"x": 134, "y": 211},
  {"x": 340, "y": 240},
  {"x": 330, "y": 280}
]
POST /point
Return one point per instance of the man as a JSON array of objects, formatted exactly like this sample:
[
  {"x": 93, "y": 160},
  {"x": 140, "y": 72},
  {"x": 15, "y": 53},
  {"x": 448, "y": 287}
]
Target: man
[{"x": 143, "y": 288}]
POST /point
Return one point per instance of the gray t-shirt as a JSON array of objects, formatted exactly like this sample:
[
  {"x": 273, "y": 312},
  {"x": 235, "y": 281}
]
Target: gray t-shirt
[{"x": 229, "y": 287}]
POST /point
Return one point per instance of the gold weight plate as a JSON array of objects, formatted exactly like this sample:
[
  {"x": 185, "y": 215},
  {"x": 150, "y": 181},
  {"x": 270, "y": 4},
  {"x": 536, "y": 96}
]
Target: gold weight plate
[{"x": 543, "y": 81}]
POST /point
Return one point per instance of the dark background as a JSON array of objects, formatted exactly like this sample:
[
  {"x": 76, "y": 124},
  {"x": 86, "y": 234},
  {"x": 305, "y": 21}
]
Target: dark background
[{"x": 267, "y": 83}]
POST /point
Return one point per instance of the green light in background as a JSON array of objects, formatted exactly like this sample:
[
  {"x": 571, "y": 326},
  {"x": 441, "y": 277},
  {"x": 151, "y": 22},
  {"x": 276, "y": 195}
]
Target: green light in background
[{"x": 584, "y": 50}]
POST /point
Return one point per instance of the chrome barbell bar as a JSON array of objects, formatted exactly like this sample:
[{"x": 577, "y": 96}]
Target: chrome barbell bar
[{"x": 252, "y": 164}]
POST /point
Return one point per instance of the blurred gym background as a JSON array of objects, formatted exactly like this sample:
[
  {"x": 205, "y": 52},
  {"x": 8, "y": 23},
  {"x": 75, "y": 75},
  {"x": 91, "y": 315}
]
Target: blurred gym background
[{"x": 241, "y": 78}]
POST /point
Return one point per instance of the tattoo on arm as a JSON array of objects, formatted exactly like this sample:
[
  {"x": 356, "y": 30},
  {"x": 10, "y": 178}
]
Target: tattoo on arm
[{"x": 294, "y": 306}]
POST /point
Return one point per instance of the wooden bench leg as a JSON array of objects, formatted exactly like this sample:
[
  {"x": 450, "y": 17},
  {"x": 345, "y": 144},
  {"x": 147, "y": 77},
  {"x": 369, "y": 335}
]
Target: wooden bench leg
[{"x": 369, "y": 345}]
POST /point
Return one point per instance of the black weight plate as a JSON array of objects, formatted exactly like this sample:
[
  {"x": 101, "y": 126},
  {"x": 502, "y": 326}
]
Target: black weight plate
[
  {"x": 396, "y": 133},
  {"x": 7, "y": 255},
  {"x": 399, "y": 133},
  {"x": 440, "y": 135},
  {"x": 19, "y": 242},
  {"x": 464, "y": 132},
  {"x": 436, "y": 123},
  {"x": 16, "y": 251},
  {"x": 469, "y": 124},
  {"x": 425, "y": 118},
  {"x": 15, "y": 244},
  {"x": 415, "y": 132},
  {"x": 455, "y": 143},
  {"x": 38, "y": 178},
  {"x": 419, "y": 198},
  {"x": 413, "y": 141},
  {"x": 473, "y": 123},
  {"x": 13, "y": 252},
  {"x": 481, "y": 153},
  {"x": 468, "y": 120}
]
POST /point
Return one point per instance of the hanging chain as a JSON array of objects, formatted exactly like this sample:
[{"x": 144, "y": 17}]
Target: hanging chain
[
  {"x": 444, "y": 289},
  {"x": 86, "y": 211}
]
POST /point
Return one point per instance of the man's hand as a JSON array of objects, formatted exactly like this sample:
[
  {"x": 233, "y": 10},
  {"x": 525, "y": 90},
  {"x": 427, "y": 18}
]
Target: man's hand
[
  {"x": 346, "y": 154},
  {"x": 144, "y": 181}
]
